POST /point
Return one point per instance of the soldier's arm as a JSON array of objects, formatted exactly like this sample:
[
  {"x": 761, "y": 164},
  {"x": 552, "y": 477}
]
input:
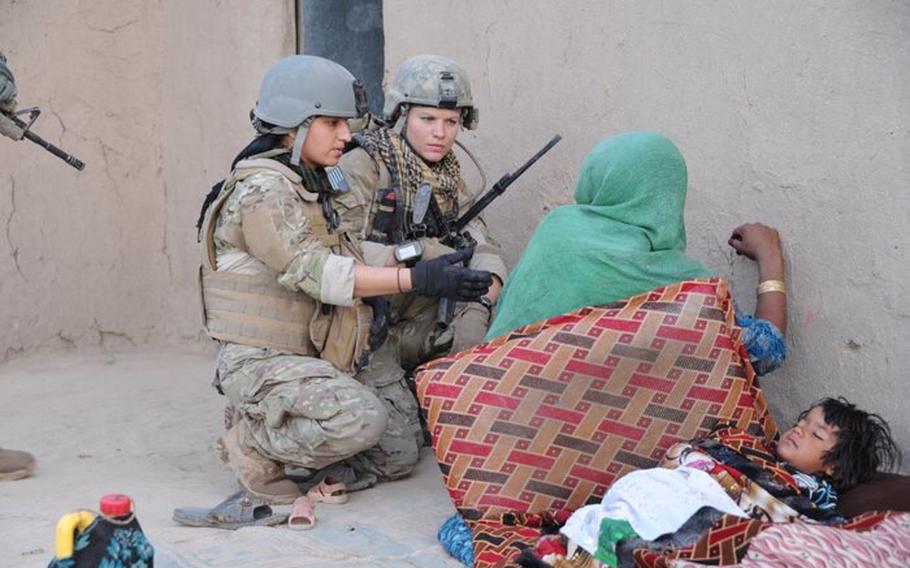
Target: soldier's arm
[
  {"x": 7, "y": 86},
  {"x": 278, "y": 233},
  {"x": 354, "y": 206}
]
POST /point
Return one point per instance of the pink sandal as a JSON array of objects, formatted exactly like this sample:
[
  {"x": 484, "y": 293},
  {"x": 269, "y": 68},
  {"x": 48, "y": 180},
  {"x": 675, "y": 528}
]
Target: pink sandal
[
  {"x": 303, "y": 516},
  {"x": 329, "y": 490}
]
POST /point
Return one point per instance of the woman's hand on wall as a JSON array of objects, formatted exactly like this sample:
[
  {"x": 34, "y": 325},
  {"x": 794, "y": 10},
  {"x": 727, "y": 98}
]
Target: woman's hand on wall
[
  {"x": 756, "y": 241},
  {"x": 761, "y": 243}
]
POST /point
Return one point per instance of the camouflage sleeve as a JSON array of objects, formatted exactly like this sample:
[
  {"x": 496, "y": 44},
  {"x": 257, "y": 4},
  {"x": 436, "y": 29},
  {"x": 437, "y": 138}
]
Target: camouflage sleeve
[
  {"x": 486, "y": 254},
  {"x": 277, "y": 232},
  {"x": 7, "y": 86},
  {"x": 364, "y": 176}
]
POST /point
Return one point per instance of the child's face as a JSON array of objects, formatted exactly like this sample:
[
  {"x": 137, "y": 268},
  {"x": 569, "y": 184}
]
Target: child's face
[{"x": 804, "y": 446}]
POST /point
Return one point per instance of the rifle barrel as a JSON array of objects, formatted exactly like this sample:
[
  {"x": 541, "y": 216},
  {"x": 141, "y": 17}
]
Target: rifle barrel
[
  {"x": 500, "y": 186},
  {"x": 553, "y": 141},
  {"x": 31, "y": 136}
]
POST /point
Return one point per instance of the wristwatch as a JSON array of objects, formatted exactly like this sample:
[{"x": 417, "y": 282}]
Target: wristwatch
[
  {"x": 486, "y": 302},
  {"x": 408, "y": 252}
]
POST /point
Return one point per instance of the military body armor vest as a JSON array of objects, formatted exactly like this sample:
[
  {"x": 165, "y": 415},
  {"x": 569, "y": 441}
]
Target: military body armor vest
[{"x": 254, "y": 309}]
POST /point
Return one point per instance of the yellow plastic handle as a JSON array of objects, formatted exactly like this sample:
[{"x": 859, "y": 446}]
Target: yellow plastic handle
[{"x": 66, "y": 531}]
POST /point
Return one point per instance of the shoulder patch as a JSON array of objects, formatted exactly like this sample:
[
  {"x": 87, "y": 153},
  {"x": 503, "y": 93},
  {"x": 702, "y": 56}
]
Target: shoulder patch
[{"x": 337, "y": 180}]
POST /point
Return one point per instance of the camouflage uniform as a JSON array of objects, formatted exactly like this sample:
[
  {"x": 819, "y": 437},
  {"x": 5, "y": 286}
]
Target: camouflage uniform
[
  {"x": 385, "y": 161},
  {"x": 414, "y": 335},
  {"x": 296, "y": 409},
  {"x": 7, "y": 86}
]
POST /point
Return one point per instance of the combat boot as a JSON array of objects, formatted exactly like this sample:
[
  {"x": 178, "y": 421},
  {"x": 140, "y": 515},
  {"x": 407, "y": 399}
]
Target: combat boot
[
  {"x": 15, "y": 464},
  {"x": 258, "y": 475}
]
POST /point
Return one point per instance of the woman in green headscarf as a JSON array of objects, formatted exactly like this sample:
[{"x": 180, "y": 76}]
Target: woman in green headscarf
[{"x": 625, "y": 235}]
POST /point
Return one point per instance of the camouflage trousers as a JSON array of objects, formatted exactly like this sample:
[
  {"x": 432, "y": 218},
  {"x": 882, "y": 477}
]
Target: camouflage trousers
[
  {"x": 416, "y": 340},
  {"x": 302, "y": 412}
]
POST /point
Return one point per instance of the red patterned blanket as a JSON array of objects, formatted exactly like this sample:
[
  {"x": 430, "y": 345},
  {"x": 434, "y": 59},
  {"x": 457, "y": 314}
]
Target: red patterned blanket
[{"x": 547, "y": 417}]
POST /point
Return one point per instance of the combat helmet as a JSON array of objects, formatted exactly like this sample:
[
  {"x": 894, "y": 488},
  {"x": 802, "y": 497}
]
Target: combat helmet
[
  {"x": 430, "y": 80},
  {"x": 299, "y": 87}
]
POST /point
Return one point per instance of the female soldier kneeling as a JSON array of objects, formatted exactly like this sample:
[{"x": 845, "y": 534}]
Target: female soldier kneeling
[{"x": 282, "y": 293}]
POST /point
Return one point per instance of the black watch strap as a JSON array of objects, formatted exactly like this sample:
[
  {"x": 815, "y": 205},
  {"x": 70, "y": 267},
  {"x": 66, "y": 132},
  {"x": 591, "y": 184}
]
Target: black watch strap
[{"x": 486, "y": 302}]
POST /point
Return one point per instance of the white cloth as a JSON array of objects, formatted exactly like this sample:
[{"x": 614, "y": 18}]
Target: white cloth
[{"x": 654, "y": 501}]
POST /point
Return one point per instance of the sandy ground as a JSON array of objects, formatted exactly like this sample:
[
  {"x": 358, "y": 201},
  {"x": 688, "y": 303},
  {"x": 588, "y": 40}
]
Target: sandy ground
[{"x": 144, "y": 424}]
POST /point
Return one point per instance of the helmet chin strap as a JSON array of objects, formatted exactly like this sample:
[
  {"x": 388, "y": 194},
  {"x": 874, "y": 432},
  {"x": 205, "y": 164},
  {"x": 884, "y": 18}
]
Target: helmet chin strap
[
  {"x": 298, "y": 141},
  {"x": 401, "y": 125}
]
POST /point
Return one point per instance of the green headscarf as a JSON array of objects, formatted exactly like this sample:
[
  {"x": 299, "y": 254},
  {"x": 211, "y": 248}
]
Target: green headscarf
[{"x": 625, "y": 235}]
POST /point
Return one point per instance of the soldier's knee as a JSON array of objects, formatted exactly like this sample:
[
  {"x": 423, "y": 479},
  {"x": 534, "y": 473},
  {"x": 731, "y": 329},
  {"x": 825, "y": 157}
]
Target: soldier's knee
[
  {"x": 401, "y": 463},
  {"x": 372, "y": 419},
  {"x": 375, "y": 421}
]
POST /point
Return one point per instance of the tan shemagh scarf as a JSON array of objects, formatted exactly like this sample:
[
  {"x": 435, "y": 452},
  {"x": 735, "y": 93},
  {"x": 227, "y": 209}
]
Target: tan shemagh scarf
[{"x": 408, "y": 171}]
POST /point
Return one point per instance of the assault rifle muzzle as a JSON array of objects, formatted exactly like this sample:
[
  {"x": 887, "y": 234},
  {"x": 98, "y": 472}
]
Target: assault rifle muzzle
[{"x": 12, "y": 127}]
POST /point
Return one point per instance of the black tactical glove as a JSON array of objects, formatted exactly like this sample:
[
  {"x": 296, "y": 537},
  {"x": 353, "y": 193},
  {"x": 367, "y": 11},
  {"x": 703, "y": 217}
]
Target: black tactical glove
[{"x": 440, "y": 278}]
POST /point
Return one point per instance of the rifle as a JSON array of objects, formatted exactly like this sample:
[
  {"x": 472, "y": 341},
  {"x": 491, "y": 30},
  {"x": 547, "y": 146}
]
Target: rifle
[
  {"x": 12, "y": 127},
  {"x": 453, "y": 234}
]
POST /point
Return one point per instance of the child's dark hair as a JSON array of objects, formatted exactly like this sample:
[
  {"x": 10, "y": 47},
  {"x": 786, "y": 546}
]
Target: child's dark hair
[{"x": 864, "y": 444}]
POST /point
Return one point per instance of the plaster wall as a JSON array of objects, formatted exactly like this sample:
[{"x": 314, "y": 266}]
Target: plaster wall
[
  {"x": 793, "y": 114},
  {"x": 153, "y": 96}
]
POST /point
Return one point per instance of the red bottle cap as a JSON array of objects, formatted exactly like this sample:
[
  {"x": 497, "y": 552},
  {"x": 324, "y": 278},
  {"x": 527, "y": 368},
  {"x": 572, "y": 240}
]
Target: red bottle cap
[{"x": 116, "y": 505}]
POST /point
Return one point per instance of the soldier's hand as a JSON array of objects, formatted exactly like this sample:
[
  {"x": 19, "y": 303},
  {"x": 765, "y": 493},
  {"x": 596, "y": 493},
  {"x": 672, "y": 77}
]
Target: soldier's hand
[{"x": 441, "y": 278}]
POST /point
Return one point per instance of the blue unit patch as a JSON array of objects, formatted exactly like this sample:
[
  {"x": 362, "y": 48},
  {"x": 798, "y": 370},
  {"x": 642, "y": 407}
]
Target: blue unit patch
[{"x": 337, "y": 180}]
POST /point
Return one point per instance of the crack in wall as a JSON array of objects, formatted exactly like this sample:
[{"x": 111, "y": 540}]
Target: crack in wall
[
  {"x": 107, "y": 170},
  {"x": 113, "y": 29},
  {"x": 12, "y": 352},
  {"x": 9, "y": 223},
  {"x": 69, "y": 342},
  {"x": 50, "y": 109},
  {"x": 104, "y": 335}
]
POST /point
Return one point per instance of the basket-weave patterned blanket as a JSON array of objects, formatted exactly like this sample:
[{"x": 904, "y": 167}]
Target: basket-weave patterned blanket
[{"x": 547, "y": 417}]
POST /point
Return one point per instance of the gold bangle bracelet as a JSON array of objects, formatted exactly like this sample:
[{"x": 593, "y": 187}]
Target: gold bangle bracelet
[{"x": 771, "y": 286}]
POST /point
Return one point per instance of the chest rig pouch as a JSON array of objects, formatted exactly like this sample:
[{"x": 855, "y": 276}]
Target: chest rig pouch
[
  {"x": 251, "y": 308},
  {"x": 341, "y": 334}
]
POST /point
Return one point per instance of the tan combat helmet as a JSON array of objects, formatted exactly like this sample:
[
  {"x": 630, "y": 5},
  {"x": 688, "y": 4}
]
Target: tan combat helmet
[
  {"x": 299, "y": 87},
  {"x": 430, "y": 80}
]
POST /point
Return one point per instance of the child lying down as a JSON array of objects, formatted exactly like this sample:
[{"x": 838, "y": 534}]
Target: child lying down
[{"x": 833, "y": 447}]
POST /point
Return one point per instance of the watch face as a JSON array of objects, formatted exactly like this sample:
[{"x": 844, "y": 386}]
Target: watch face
[{"x": 407, "y": 251}]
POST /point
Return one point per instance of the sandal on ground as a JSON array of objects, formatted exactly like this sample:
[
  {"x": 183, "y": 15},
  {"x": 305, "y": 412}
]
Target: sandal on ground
[
  {"x": 354, "y": 478},
  {"x": 329, "y": 490},
  {"x": 303, "y": 516},
  {"x": 15, "y": 464},
  {"x": 239, "y": 510}
]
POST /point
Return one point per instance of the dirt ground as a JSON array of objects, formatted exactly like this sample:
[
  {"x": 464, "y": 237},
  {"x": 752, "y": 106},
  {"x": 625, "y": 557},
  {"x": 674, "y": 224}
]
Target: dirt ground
[{"x": 144, "y": 424}]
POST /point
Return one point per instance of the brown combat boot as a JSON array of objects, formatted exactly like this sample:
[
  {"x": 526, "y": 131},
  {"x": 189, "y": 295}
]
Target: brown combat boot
[
  {"x": 15, "y": 464},
  {"x": 258, "y": 475}
]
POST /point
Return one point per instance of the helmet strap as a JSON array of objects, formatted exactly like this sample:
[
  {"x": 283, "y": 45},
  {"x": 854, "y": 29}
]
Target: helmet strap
[
  {"x": 302, "y": 131},
  {"x": 401, "y": 123}
]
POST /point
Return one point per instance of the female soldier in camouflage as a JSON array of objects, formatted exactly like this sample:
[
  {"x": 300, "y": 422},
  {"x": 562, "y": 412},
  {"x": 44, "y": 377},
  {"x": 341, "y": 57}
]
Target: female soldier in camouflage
[
  {"x": 391, "y": 177},
  {"x": 282, "y": 285}
]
